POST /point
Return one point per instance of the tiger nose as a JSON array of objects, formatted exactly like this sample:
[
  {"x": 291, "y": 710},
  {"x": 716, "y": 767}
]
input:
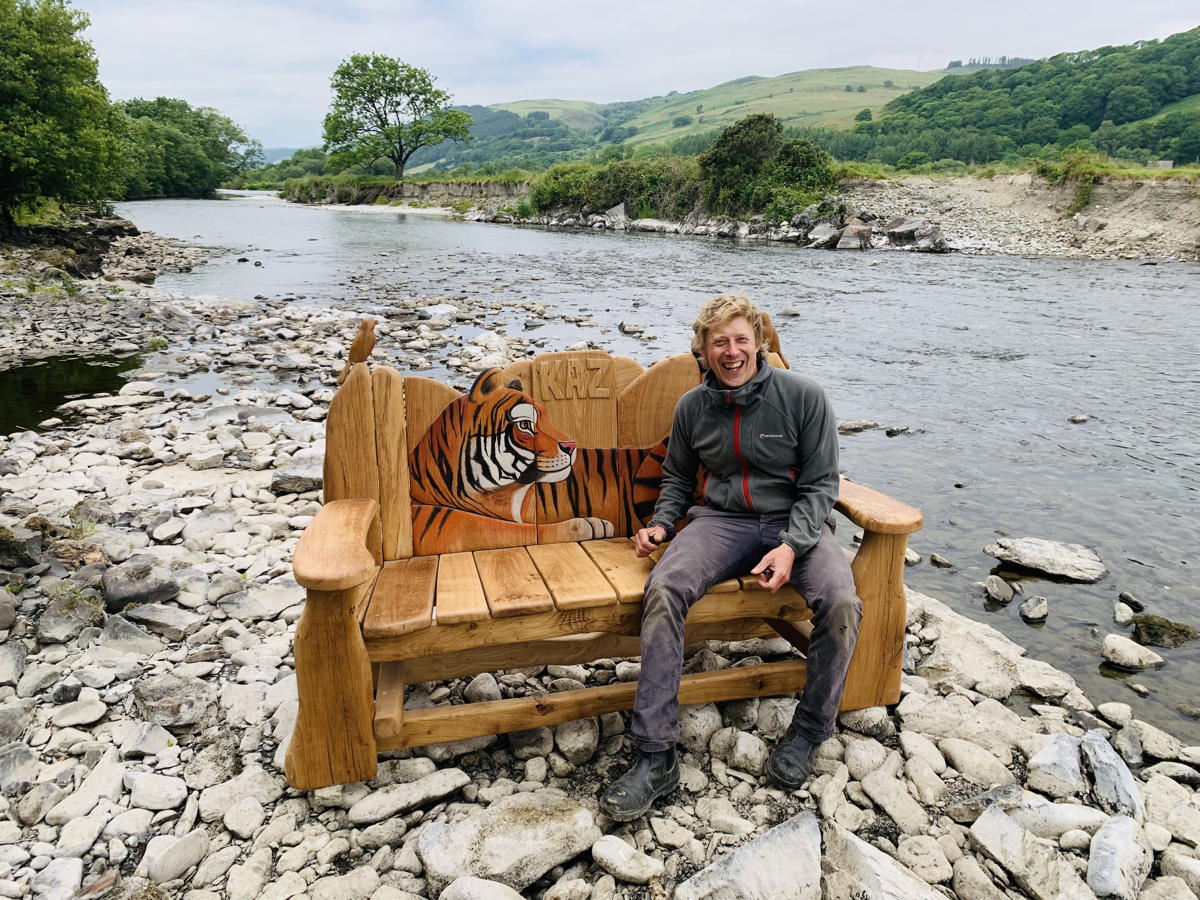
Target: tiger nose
[{"x": 567, "y": 446}]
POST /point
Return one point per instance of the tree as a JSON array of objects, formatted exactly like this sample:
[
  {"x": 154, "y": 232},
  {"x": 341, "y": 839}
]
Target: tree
[
  {"x": 386, "y": 109},
  {"x": 863, "y": 115},
  {"x": 58, "y": 137},
  {"x": 681, "y": 121}
]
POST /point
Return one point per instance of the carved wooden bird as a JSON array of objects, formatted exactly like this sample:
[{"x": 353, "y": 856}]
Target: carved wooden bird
[{"x": 360, "y": 347}]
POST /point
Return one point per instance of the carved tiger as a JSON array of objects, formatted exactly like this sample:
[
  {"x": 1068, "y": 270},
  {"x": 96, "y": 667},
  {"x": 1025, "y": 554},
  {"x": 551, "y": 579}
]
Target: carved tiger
[{"x": 493, "y": 471}]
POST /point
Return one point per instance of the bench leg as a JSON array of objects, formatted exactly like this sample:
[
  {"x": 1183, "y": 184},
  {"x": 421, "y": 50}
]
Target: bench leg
[
  {"x": 875, "y": 670},
  {"x": 333, "y": 741}
]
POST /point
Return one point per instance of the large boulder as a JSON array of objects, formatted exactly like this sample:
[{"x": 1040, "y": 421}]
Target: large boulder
[
  {"x": 174, "y": 701},
  {"x": 1071, "y": 561},
  {"x": 859, "y": 870},
  {"x": 783, "y": 862},
  {"x": 514, "y": 841},
  {"x": 137, "y": 580}
]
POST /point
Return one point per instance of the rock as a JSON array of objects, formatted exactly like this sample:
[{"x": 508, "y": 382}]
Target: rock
[
  {"x": 1053, "y": 820},
  {"x": 470, "y": 888},
  {"x": 76, "y": 837},
  {"x": 864, "y": 757},
  {"x": 173, "y": 700},
  {"x": 262, "y": 601},
  {"x": 137, "y": 580},
  {"x": 121, "y": 634},
  {"x": 783, "y": 862},
  {"x": 59, "y": 880},
  {"x": 971, "y": 881},
  {"x": 1156, "y": 631},
  {"x": 296, "y": 480},
  {"x": 67, "y": 614},
  {"x": 483, "y": 688},
  {"x": 171, "y": 622},
  {"x": 1055, "y": 769},
  {"x": 168, "y": 857},
  {"x": 1169, "y": 805},
  {"x": 697, "y": 725},
  {"x": 998, "y": 589},
  {"x": 1119, "y": 860},
  {"x": 1035, "y": 609},
  {"x": 892, "y": 797},
  {"x": 252, "y": 781},
  {"x": 244, "y": 817},
  {"x": 531, "y": 743},
  {"x": 398, "y": 798},
  {"x": 1071, "y": 561},
  {"x": 1123, "y": 653},
  {"x": 1041, "y": 871},
  {"x": 155, "y": 792},
  {"x": 357, "y": 884},
  {"x": 514, "y": 841},
  {"x": 974, "y": 763},
  {"x": 924, "y": 857},
  {"x": 1167, "y": 887},
  {"x": 624, "y": 862},
  {"x": 1186, "y": 868},
  {"x": 856, "y": 869},
  {"x": 18, "y": 764},
  {"x": 12, "y": 662},
  {"x": 104, "y": 781},
  {"x": 873, "y": 722},
  {"x": 1113, "y": 785},
  {"x": 1156, "y": 742},
  {"x": 577, "y": 740}
]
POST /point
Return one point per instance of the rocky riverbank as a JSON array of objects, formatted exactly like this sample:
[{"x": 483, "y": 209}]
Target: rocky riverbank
[
  {"x": 1008, "y": 214},
  {"x": 147, "y": 690}
]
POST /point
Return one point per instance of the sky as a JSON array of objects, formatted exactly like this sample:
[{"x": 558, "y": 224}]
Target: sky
[{"x": 266, "y": 64}]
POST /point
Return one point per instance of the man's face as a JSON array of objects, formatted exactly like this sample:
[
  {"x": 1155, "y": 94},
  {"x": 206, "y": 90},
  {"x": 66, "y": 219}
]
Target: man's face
[{"x": 731, "y": 352}]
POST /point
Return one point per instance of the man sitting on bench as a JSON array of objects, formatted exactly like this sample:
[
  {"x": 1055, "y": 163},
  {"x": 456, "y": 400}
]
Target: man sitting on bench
[{"x": 767, "y": 441}]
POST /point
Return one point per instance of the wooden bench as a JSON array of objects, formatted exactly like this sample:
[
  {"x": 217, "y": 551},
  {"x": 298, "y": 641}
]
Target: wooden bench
[{"x": 416, "y": 572}]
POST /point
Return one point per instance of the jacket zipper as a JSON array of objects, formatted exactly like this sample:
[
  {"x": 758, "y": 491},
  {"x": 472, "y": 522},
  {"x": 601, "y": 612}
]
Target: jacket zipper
[{"x": 737, "y": 451}]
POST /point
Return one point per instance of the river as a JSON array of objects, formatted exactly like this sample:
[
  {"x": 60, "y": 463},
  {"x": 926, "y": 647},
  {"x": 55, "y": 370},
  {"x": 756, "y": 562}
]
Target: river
[{"x": 982, "y": 359}]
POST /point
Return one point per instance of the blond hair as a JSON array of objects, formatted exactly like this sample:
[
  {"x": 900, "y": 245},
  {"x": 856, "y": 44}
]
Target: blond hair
[{"x": 720, "y": 310}]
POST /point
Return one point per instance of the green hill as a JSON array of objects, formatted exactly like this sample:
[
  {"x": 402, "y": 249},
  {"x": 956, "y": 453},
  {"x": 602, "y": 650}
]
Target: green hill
[
  {"x": 578, "y": 114},
  {"x": 809, "y": 97}
]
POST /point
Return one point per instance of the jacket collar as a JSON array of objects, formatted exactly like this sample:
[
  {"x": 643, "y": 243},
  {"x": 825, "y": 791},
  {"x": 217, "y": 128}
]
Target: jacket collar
[{"x": 739, "y": 396}]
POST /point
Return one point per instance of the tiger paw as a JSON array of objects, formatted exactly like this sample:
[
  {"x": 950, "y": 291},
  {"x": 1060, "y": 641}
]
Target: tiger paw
[{"x": 587, "y": 528}]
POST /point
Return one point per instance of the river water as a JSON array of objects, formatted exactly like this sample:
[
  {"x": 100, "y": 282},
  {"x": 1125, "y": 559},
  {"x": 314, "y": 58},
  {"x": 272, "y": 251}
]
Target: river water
[{"x": 982, "y": 359}]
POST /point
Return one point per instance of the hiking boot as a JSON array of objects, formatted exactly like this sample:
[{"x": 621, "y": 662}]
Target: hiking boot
[
  {"x": 654, "y": 774},
  {"x": 789, "y": 763}
]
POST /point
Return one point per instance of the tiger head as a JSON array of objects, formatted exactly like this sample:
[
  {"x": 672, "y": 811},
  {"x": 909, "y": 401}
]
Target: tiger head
[
  {"x": 508, "y": 439},
  {"x": 487, "y": 449}
]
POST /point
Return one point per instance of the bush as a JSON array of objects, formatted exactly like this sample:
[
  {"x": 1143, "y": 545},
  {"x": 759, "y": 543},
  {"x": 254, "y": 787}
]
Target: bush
[{"x": 565, "y": 185}]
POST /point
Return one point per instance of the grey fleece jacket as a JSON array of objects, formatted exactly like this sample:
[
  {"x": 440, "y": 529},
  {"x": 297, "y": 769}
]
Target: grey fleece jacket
[{"x": 768, "y": 447}]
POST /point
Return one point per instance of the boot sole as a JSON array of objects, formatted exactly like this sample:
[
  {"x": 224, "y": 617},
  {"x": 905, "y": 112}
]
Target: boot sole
[
  {"x": 783, "y": 782},
  {"x": 642, "y": 810}
]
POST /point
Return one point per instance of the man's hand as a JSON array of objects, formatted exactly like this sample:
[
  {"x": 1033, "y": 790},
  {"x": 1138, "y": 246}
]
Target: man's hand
[
  {"x": 775, "y": 569},
  {"x": 647, "y": 540}
]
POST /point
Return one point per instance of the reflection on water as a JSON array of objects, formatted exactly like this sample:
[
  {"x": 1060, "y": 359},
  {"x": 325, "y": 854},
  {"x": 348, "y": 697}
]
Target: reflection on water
[
  {"x": 984, "y": 359},
  {"x": 30, "y": 393}
]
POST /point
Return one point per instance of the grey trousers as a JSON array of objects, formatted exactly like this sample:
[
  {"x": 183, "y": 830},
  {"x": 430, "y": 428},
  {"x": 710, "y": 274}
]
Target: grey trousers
[{"x": 716, "y": 546}]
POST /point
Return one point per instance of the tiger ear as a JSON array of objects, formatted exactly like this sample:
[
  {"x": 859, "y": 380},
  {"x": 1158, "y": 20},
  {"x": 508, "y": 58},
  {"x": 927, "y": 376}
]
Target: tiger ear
[{"x": 489, "y": 381}]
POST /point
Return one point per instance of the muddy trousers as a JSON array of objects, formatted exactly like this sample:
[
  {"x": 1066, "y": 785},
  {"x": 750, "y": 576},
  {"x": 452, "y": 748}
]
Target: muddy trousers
[{"x": 717, "y": 546}]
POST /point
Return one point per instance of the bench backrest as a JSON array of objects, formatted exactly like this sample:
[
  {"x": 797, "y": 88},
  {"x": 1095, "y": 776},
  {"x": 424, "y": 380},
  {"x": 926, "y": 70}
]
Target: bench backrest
[{"x": 455, "y": 472}]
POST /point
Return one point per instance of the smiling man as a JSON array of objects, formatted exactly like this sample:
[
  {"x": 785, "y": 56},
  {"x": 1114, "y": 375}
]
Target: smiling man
[{"x": 766, "y": 442}]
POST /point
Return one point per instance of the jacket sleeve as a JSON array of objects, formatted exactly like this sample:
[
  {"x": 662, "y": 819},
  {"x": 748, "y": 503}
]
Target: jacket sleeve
[
  {"x": 818, "y": 479},
  {"x": 679, "y": 475}
]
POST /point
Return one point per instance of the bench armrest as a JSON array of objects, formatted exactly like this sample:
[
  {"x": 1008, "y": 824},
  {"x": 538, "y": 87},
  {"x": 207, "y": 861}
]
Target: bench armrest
[
  {"x": 877, "y": 512},
  {"x": 334, "y": 553}
]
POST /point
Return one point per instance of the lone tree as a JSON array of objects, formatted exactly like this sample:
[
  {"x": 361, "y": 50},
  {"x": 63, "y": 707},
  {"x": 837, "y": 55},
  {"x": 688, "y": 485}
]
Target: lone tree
[
  {"x": 386, "y": 109},
  {"x": 58, "y": 137}
]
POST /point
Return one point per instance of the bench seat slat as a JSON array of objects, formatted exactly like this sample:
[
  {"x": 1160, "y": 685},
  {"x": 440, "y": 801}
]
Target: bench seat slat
[
  {"x": 511, "y": 583},
  {"x": 624, "y": 571},
  {"x": 459, "y": 592},
  {"x": 572, "y": 577},
  {"x": 403, "y": 598}
]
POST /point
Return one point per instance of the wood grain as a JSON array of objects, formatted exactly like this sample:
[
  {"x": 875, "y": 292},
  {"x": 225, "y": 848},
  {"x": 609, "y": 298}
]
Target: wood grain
[
  {"x": 571, "y": 577},
  {"x": 389, "y": 698},
  {"x": 351, "y": 465},
  {"x": 424, "y": 400},
  {"x": 875, "y": 511},
  {"x": 578, "y": 390},
  {"x": 616, "y": 559},
  {"x": 334, "y": 739},
  {"x": 874, "y": 675},
  {"x": 627, "y": 371},
  {"x": 460, "y": 595},
  {"x": 334, "y": 552},
  {"x": 450, "y": 723},
  {"x": 511, "y": 583},
  {"x": 646, "y": 407},
  {"x": 403, "y": 598},
  {"x": 391, "y": 448}
]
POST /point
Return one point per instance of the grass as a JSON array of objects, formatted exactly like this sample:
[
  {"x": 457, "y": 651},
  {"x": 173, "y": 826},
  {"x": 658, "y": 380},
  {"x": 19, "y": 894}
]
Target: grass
[
  {"x": 810, "y": 97},
  {"x": 573, "y": 113},
  {"x": 1187, "y": 104}
]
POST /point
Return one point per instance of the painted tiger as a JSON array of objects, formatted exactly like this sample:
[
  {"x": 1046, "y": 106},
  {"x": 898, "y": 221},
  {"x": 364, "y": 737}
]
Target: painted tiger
[{"x": 493, "y": 471}]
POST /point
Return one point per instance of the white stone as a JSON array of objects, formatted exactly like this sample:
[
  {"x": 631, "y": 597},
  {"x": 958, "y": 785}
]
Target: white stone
[
  {"x": 1127, "y": 654},
  {"x": 975, "y": 763},
  {"x": 168, "y": 857},
  {"x": 917, "y": 745},
  {"x": 1156, "y": 742},
  {"x": 924, "y": 858},
  {"x": 1041, "y": 870},
  {"x": 253, "y": 781},
  {"x": 104, "y": 780},
  {"x": 1113, "y": 785},
  {"x": 1119, "y": 859},
  {"x": 1167, "y": 887},
  {"x": 469, "y": 887},
  {"x": 1184, "y": 867},
  {"x": 397, "y": 798},
  {"x": 624, "y": 862},
  {"x": 77, "y": 836},
  {"x": 1072, "y": 561},
  {"x": 514, "y": 841},
  {"x": 246, "y": 881},
  {"x": 150, "y": 791},
  {"x": 1170, "y": 805},
  {"x": 244, "y": 817},
  {"x": 783, "y": 862},
  {"x": 862, "y": 757},
  {"x": 59, "y": 880},
  {"x": 892, "y": 798},
  {"x": 856, "y": 870},
  {"x": 1055, "y": 769},
  {"x": 358, "y": 884}
]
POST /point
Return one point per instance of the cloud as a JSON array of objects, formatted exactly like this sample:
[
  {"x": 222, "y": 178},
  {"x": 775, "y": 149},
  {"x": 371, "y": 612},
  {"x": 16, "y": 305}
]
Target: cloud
[{"x": 267, "y": 64}]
